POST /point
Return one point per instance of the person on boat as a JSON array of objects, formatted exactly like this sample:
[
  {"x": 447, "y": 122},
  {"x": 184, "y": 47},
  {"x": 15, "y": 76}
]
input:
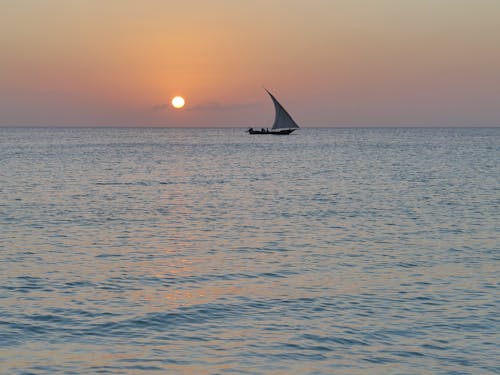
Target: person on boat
[
  {"x": 262, "y": 130},
  {"x": 250, "y": 130}
]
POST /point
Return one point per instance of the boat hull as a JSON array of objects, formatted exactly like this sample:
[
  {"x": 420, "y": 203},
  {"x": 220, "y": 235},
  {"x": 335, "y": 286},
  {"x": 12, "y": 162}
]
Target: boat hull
[{"x": 273, "y": 132}]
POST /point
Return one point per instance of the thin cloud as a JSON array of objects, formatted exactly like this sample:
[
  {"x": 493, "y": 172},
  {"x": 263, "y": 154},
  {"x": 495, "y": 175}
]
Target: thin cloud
[
  {"x": 160, "y": 107},
  {"x": 217, "y": 106}
]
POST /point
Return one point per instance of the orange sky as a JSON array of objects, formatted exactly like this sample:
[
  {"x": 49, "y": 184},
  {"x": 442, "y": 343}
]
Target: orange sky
[{"x": 330, "y": 62}]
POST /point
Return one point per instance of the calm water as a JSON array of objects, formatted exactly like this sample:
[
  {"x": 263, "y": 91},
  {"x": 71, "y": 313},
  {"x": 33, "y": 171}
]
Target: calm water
[{"x": 336, "y": 251}]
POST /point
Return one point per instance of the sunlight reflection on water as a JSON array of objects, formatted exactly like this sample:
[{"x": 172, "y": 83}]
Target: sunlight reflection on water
[{"x": 210, "y": 251}]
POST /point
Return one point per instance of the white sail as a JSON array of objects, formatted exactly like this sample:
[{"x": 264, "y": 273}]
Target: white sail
[{"x": 282, "y": 119}]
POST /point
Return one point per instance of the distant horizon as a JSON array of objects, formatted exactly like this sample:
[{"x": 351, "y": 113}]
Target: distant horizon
[{"x": 243, "y": 127}]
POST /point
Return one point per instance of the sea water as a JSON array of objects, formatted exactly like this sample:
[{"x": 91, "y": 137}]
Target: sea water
[{"x": 211, "y": 251}]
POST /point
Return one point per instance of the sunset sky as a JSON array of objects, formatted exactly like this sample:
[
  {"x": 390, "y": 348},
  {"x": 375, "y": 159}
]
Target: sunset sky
[{"x": 332, "y": 63}]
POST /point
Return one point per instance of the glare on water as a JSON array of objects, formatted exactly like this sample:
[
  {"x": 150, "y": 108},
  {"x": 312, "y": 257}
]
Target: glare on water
[{"x": 208, "y": 251}]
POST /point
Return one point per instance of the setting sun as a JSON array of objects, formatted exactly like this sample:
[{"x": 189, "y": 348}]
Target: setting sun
[{"x": 178, "y": 102}]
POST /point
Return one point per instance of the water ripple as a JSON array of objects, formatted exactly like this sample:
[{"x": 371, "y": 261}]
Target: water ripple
[{"x": 135, "y": 251}]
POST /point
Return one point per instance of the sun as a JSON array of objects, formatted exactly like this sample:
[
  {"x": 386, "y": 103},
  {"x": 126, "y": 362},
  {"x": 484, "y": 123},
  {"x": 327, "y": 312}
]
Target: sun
[{"x": 178, "y": 102}]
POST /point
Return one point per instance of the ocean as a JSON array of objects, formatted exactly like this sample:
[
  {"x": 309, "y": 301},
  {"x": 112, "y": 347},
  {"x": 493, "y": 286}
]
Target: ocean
[{"x": 210, "y": 251}]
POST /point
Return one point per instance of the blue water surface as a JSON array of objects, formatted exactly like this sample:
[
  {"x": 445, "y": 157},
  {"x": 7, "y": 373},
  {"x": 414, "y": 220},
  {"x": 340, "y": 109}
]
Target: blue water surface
[{"x": 210, "y": 251}]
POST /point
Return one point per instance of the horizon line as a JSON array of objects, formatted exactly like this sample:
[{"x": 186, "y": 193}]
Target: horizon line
[{"x": 485, "y": 126}]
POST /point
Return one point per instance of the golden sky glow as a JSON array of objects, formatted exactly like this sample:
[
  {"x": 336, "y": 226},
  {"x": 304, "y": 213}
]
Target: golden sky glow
[{"x": 332, "y": 63}]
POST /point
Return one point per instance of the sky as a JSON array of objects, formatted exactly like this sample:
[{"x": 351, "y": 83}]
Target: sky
[{"x": 331, "y": 63}]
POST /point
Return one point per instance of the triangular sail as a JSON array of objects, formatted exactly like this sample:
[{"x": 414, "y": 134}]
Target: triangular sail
[{"x": 282, "y": 120}]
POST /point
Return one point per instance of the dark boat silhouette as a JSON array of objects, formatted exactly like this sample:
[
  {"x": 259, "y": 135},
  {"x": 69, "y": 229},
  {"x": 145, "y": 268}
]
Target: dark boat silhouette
[{"x": 283, "y": 122}]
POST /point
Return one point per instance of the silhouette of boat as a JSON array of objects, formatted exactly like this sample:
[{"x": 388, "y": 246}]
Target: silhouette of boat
[{"x": 283, "y": 122}]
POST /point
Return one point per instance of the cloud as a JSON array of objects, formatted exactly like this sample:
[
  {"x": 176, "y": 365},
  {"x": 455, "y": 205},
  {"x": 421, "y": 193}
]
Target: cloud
[
  {"x": 217, "y": 106},
  {"x": 207, "y": 106},
  {"x": 160, "y": 107}
]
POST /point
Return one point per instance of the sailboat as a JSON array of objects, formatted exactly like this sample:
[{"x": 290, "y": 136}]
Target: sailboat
[{"x": 283, "y": 122}]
